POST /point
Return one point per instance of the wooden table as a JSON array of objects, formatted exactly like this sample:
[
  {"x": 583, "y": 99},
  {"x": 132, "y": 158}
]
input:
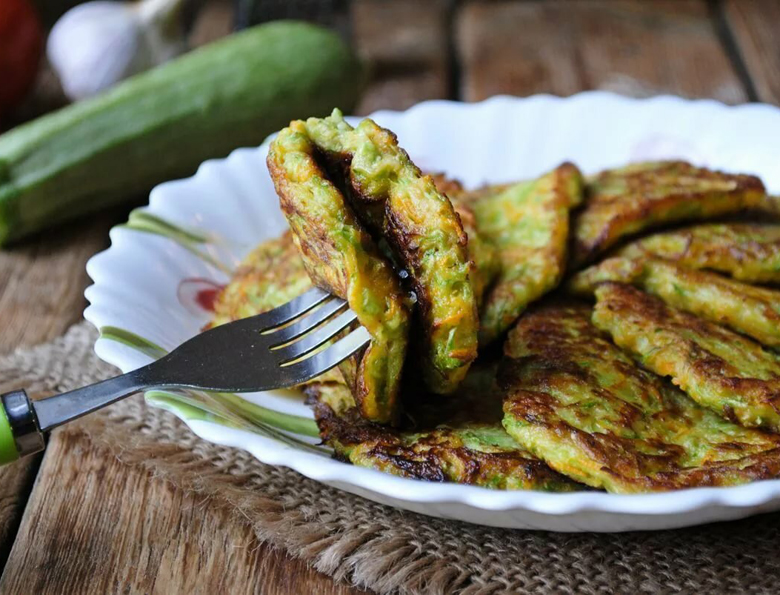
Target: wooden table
[{"x": 75, "y": 521}]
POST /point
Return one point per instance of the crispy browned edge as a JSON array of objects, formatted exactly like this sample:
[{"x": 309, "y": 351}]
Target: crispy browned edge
[
  {"x": 586, "y": 252},
  {"x": 532, "y": 405},
  {"x": 350, "y": 430},
  {"x": 703, "y": 363}
]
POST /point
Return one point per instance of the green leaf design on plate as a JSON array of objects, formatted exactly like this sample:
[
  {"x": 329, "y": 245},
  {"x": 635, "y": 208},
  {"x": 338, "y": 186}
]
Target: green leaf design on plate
[
  {"x": 196, "y": 405},
  {"x": 144, "y": 221},
  {"x": 130, "y": 339},
  {"x": 223, "y": 408}
]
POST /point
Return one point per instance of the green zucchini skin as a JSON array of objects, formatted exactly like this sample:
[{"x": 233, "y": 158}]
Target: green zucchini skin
[{"x": 163, "y": 123}]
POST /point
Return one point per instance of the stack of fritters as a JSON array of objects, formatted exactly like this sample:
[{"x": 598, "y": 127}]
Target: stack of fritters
[{"x": 670, "y": 381}]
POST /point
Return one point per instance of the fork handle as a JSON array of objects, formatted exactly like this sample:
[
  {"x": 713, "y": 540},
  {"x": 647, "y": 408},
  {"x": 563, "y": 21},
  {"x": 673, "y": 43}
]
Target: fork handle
[
  {"x": 23, "y": 422},
  {"x": 20, "y": 434}
]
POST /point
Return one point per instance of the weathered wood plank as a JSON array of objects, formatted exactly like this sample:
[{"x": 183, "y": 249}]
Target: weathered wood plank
[
  {"x": 96, "y": 525},
  {"x": 561, "y": 47},
  {"x": 42, "y": 282},
  {"x": 405, "y": 43},
  {"x": 755, "y": 27},
  {"x": 15, "y": 484},
  {"x": 41, "y": 294}
]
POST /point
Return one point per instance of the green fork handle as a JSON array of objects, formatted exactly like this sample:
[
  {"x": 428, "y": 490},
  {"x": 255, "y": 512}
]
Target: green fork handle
[{"x": 20, "y": 434}]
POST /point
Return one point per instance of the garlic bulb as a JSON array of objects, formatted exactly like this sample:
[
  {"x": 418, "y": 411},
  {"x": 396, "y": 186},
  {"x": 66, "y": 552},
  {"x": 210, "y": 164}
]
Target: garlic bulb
[{"x": 97, "y": 44}]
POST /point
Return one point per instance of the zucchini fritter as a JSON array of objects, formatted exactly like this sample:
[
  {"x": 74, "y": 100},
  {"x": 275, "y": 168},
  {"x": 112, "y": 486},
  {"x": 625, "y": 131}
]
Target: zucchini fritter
[
  {"x": 718, "y": 368},
  {"x": 581, "y": 404},
  {"x": 529, "y": 225},
  {"x": 391, "y": 198},
  {"x": 747, "y": 252},
  {"x": 753, "y": 311},
  {"x": 341, "y": 257},
  {"x": 482, "y": 253},
  {"x": 270, "y": 276},
  {"x": 623, "y": 201},
  {"x": 458, "y": 439}
]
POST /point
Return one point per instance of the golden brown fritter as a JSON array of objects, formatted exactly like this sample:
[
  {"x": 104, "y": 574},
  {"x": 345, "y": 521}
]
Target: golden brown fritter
[
  {"x": 581, "y": 404},
  {"x": 455, "y": 439},
  {"x": 341, "y": 257},
  {"x": 719, "y": 369},
  {"x": 483, "y": 254},
  {"x": 621, "y": 202},
  {"x": 753, "y": 311},
  {"x": 390, "y": 197},
  {"x": 270, "y": 276},
  {"x": 747, "y": 252},
  {"x": 528, "y": 223}
]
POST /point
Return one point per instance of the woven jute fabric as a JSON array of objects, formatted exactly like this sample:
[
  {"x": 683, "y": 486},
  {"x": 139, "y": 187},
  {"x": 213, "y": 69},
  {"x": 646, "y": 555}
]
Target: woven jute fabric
[{"x": 388, "y": 550}]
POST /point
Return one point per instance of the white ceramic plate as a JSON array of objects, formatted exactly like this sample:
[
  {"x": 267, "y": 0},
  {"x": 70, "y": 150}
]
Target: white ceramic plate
[{"x": 152, "y": 286}]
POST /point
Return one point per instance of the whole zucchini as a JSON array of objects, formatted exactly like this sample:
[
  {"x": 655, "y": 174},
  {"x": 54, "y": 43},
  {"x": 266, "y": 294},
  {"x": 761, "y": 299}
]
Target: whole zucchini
[{"x": 161, "y": 124}]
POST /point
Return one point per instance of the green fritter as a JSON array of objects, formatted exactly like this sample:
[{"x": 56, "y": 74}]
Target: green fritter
[
  {"x": 582, "y": 405},
  {"x": 727, "y": 372},
  {"x": 397, "y": 203},
  {"x": 528, "y": 223},
  {"x": 753, "y": 311},
  {"x": 482, "y": 253},
  {"x": 341, "y": 257},
  {"x": 621, "y": 202},
  {"x": 747, "y": 252},
  {"x": 270, "y": 276},
  {"x": 454, "y": 439}
]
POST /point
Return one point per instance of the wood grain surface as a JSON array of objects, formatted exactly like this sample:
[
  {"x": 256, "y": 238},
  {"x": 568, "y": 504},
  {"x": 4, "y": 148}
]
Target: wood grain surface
[
  {"x": 633, "y": 47},
  {"x": 406, "y": 44},
  {"x": 755, "y": 25},
  {"x": 94, "y": 525}
]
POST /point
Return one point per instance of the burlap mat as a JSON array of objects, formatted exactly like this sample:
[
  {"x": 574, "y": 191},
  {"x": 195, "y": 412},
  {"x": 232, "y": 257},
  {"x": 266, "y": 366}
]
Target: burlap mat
[{"x": 389, "y": 550}]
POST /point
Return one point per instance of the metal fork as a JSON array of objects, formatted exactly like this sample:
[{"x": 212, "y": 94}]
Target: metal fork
[{"x": 279, "y": 348}]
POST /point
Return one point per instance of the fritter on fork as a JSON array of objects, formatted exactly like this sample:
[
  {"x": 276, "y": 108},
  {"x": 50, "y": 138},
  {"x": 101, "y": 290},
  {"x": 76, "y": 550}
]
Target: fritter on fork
[
  {"x": 341, "y": 257},
  {"x": 377, "y": 188}
]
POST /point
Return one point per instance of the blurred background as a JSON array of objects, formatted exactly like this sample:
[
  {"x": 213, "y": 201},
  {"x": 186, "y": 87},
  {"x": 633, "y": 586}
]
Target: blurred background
[{"x": 469, "y": 50}]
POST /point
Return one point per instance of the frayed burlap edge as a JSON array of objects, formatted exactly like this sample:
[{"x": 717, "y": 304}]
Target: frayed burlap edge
[{"x": 388, "y": 550}]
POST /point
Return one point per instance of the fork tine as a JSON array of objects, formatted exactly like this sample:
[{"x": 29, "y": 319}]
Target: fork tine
[
  {"x": 294, "y": 308},
  {"x": 307, "y": 322},
  {"x": 326, "y": 359},
  {"x": 316, "y": 338}
]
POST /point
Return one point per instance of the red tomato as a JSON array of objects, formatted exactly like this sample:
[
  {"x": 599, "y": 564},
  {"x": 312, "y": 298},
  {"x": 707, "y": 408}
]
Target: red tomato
[{"x": 21, "y": 42}]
